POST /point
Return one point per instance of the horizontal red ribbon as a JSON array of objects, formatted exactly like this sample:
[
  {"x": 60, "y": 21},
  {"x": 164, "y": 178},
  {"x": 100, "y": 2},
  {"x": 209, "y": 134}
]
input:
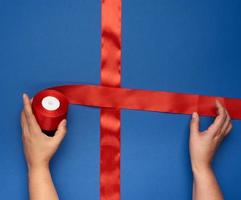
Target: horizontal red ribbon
[
  {"x": 159, "y": 101},
  {"x": 122, "y": 98}
]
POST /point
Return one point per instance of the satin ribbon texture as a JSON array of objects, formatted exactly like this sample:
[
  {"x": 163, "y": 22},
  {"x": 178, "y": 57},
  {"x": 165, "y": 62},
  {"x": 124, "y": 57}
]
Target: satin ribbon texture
[
  {"x": 51, "y": 106},
  {"x": 123, "y": 98}
]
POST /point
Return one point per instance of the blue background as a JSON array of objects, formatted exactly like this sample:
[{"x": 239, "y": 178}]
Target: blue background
[{"x": 182, "y": 46}]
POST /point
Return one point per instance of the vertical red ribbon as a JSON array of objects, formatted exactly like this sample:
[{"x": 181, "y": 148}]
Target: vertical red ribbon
[{"x": 110, "y": 118}]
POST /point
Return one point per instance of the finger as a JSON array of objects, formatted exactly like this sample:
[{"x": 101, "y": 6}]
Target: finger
[
  {"x": 24, "y": 124},
  {"x": 228, "y": 130},
  {"x": 30, "y": 118},
  {"x": 219, "y": 120},
  {"x": 194, "y": 125},
  {"x": 226, "y": 123},
  {"x": 61, "y": 131}
]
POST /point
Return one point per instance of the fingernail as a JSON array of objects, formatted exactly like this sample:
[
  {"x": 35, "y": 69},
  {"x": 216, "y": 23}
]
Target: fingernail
[
  {"x": 194, "y": 115},
  {"x": 24, "y": 96}
]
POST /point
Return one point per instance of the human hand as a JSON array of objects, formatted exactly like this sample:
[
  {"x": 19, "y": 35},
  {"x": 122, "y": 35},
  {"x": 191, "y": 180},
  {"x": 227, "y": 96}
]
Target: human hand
[
  {"x": 203, "y": 145},
  {"x": 38, "y": 147}
]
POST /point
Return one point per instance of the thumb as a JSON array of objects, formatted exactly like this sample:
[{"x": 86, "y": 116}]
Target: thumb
[
  {"x": 61, "y": 131},
  {"x": 194, "y": 125}
]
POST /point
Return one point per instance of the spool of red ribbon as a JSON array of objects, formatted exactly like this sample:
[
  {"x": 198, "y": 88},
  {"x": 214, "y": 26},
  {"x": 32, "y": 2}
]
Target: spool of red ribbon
[{"x": 50, "y": 107}]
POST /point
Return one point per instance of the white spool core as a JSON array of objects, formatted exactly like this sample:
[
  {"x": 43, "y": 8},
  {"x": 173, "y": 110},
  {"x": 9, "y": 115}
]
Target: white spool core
[{"x": 50, "y": 103}]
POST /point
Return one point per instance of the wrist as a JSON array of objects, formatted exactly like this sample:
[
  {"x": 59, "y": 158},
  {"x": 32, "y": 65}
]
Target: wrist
[
  {"x": 38, "y": 172},
  {"x": 201, "y": 170},
  {"x": 38, "y": 166},
  {"x": 201, "y": 167},
  {"x": 34, "y": 171}
]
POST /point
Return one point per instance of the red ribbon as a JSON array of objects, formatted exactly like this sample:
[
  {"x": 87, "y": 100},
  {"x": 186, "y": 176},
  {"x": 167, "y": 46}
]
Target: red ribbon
[
  {"x": 133, "y": 99},
  {"x": 110, "y": 117},
  {"x": 111, "y": 98},
  {"x": 49, "y": 120}
]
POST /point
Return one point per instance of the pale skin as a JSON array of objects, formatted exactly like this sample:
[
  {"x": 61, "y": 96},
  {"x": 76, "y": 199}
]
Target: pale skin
[
  {"x": 203, "y": 146},
  {"x": 39, "y": 149}
]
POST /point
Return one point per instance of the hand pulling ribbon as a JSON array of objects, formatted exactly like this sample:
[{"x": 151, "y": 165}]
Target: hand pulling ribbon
[{"x": 50, "y": 106}]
